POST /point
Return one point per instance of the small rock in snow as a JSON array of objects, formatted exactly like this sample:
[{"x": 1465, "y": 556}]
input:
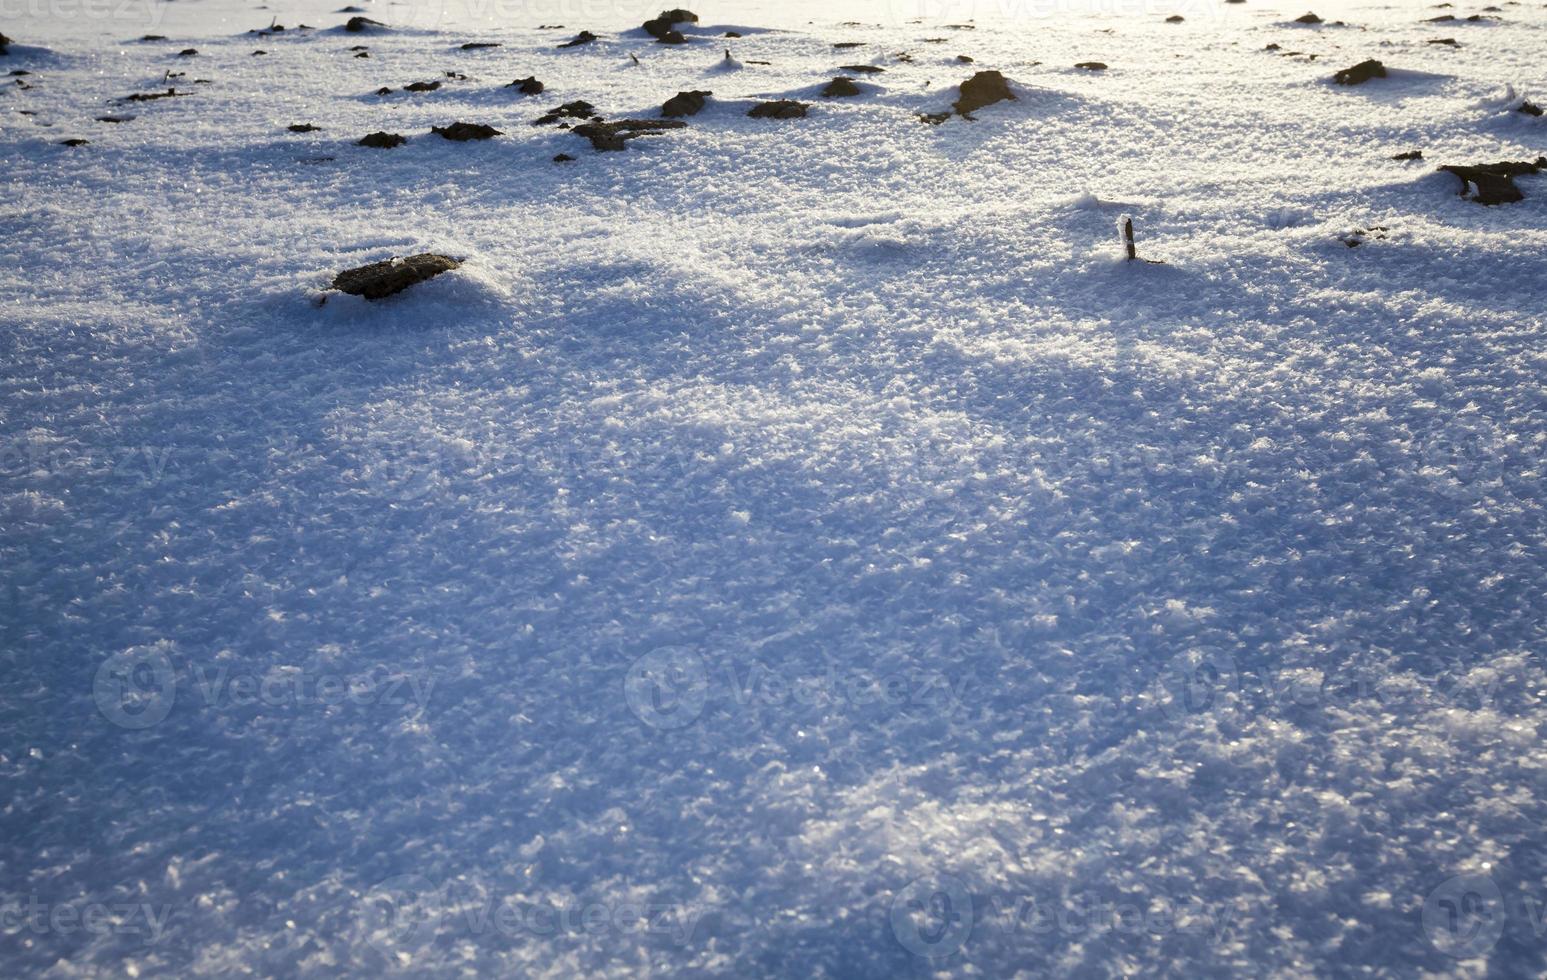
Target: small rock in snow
[
  {"x": 383, "y": 141},
  {"x": 685, "y": 104},
  {"x": 579, "y": 109},
  {"x": 461, "y": 132},
  {"x": 614, "y": 135},
  {"x": 1360, "y": 73},
  {"x": 382, "y": 279},
  {"x": 1495, "y": 181},
  {"x": 840, "y": 88},
  {"x": 983, "y": 89},
  {"x": 663, "y": 26},
  {"x": 779, "y": 109}
]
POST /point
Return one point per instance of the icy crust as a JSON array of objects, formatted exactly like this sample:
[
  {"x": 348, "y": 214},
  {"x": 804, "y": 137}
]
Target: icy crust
[{"x": 778, "y": 513}]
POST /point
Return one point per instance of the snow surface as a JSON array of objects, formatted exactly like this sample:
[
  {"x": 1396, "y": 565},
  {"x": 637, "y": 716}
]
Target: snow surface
[{"x": 786, "y": 547}]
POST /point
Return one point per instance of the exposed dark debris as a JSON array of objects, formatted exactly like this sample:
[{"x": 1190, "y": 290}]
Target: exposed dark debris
[
  {"x": 1495, "y": 182},
  {"x": 983, "y": 89},
  {"x": 303, "y": 128},
  {"x": 170, "y": 93},
  {"x": 779, "y": 109},
  {"x": 357, "y": 25},
  {"x": 584, "y": 37},
  {"x": 579, "y": 109},
  {"x": 613, "y": 136},
  {"x": 383, "y": 141},
  {"x": 382, "y": 279},
  {"x": 1091, "y": 65},
  {"x": 663, "y": 27},
  {"x": 1408, "y": 155},
  {"x": 840, "y": 88},
  {"x": 685, "y": 104},
  {"x": 527, "y": 86},
  {"x": 1360, "y": 73},
  {"x": 1354, "y": 237},
  {"x": 461, "y": 132}
]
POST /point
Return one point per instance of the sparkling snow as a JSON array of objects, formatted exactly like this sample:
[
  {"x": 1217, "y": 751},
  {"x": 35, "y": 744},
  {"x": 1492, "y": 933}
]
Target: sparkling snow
[{"x": 784, "y": 547}]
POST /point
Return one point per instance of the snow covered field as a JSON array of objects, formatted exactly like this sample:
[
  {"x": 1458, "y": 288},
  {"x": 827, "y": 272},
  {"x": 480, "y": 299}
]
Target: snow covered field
[{"x": 785, "y": 547}]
